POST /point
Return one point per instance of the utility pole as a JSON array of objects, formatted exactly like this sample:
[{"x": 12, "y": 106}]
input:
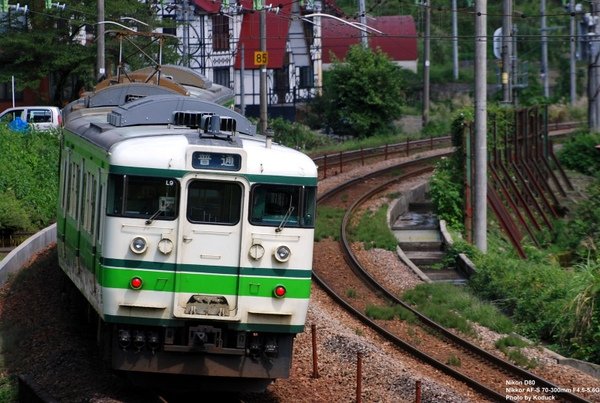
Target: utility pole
[
  {"x": 480, "y": 149},
  {"x": 572, "y": 47},
  {"x": 186, "y": 33},
  {"x": 507, "y": 30},
  {"x": 100, "y": 61},
  {"x": 363, "y": 21},
  {"x": 593, "y": 69},
  {"x": 426, "y": 55},
  {"x": 263, "y": 71},
  {"x": 455, "y": 40},
  {"x": 544, "y": 30},
  {"x": 242, "y": 79}
]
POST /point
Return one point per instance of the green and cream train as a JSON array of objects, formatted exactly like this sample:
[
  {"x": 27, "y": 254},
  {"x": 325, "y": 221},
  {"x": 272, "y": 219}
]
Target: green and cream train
[{"x": 190, "y": 235}]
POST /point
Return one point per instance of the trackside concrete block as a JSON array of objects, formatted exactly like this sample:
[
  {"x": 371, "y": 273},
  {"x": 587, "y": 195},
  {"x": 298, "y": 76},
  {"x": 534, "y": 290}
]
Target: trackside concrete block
[{"x": 16, "y": 259}]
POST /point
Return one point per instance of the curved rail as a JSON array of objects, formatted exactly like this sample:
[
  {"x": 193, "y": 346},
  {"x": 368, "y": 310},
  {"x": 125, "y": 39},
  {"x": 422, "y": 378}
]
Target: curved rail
[{"x": 500, "y": 363}]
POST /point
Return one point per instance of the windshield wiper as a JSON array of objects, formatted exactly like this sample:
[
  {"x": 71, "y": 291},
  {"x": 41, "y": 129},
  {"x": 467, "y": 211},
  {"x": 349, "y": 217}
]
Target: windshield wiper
[
  {"x": 153, "y": 216},
  {"x": 286, "y": 218}
]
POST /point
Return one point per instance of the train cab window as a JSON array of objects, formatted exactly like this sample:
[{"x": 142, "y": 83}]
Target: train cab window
[
  {"x": 283, "y": 206},
  {"x": 142, "y": 197},
  {"x": 213, "y": 202}
]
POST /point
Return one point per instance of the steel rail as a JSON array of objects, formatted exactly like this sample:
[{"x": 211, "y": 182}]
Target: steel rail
[
  {"x": 503, "y": 364},
  {"x": 373, "y": 284}
]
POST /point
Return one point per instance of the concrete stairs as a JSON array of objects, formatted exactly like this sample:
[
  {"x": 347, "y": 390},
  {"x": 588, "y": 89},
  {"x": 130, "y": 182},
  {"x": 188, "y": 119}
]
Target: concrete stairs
[{"x": 420, "y": 241}]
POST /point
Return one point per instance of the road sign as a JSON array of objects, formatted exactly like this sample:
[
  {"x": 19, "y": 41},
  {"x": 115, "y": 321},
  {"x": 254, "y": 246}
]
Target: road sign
[{"x": 261, "y": 58}]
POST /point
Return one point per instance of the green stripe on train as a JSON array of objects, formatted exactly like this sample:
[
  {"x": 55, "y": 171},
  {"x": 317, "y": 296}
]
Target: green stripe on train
[
  {"x": 205, "y": 283},
  {"x": 225, "y": 270}
]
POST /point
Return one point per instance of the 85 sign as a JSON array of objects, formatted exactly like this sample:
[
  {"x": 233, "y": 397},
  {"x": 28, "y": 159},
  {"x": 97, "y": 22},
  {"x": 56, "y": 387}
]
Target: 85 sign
[{"x": 261, "y": 58}]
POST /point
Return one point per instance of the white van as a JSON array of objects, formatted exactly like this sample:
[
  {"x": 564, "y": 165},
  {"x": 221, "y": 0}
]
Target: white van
[{"x": 39, "y": 117}]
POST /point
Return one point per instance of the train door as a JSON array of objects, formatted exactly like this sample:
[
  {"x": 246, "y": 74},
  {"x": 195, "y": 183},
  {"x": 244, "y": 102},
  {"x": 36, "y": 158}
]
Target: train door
[{"x": 208, "y": 269}]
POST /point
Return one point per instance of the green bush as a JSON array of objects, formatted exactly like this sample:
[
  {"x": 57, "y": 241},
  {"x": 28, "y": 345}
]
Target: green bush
[
  {"x": 296, "y": 135},
  {"x": 353, "y": 99},
  {"x": 579, "y": 153},
  {"x": 446, "y": 193},
  {"x": 581, "y": 313},
  {"x": 13, "y": 215},
  {"x": 28, "y": 179}
]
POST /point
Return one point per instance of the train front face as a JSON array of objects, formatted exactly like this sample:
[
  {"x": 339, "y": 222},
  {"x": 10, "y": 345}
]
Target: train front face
[{"x": 207, "y": 264}]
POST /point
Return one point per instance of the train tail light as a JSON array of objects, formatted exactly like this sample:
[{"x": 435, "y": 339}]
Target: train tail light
[
  {"x": 136, "y": 283},
  {"x": 279, "y": 291}
]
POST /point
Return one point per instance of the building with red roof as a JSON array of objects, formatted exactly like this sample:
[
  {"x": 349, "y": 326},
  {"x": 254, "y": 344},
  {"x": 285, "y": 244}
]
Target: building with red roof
[
  {"x": 221, "y": 41},
  {"x": 397, "y": 39}
]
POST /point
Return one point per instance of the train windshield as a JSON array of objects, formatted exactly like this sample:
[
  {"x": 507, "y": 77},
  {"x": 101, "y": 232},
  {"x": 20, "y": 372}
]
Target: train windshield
[
  {"x": 152, "y": 198},
  {"x": 214, "y": 202},
  {"x": 283, "y": 206}
]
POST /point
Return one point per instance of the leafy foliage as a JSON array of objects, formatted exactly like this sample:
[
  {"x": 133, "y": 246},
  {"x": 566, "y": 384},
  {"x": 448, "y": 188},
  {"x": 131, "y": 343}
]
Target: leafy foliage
[
  {"x": 582, "y": 312},
  {"x": 362, "y": 94},
  {"x": 542, "y": 298},
  {"x": 48, "y": 45},
  {"x": 579, "y": 153},
  {"x": 296, "y": 135},
  {"x": 28, "y": 180},
  {"x": 446, "y": 193},
  {"x": 13, "y": 215}
]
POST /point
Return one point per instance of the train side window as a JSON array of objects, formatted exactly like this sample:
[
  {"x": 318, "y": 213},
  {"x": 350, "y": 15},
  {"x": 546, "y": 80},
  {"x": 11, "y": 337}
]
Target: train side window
[
  {"x": 83, "y": 210},
  {"x": 93, "y": 211},
  {"x": 283, "y": 205},
  {"x": 309, "y": 206},
  {"x": 73, "y": 189},
  {"x": 213, "y": 202},
  {"x": 65, "y": 185},
  {"x": 142, "y": 197}
]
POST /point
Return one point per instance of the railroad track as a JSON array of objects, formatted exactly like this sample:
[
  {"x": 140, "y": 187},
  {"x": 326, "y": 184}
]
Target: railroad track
[
  {"x": 482, "y": 371},
  {"x": 406, "y": 149}
]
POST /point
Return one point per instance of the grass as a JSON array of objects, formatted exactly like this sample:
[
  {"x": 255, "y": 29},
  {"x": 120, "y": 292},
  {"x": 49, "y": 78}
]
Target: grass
[
  {"x": 389, "y": 313},
  {"x": 357, "y": 144},
  {"x": 329, "y": 220},
  {"x": 373, "y": 230},
  {"x": 453, "y": 361},
  {"x": 456, "y": 308},
  {"x": 8, "y": 389},
  {"x": 511, "y": 346}
]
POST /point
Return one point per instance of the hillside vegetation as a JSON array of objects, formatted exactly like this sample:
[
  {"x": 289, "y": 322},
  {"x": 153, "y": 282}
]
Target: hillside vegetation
[{"x": 28, "y": 180}]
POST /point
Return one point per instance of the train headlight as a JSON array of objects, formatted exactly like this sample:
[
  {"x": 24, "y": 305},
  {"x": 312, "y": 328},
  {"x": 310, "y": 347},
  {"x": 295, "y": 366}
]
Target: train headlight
[
  {"x": 282, "y": 253},
  {"x": 256, "y": 251},
  {"x": 165, "y": 246},
  {"x": 138, "y": 245}
]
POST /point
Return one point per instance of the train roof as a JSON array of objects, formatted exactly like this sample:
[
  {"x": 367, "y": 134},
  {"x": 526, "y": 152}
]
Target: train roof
[
  {"x": 161, "y": 125},
  {"x": 97, "y": 120}
]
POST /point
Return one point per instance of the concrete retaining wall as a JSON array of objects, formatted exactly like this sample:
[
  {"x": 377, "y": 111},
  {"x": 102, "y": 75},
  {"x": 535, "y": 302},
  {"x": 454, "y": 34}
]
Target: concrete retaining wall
[
  {"x": 400, "y": 205},
  {"x": 16, "y": 259}
]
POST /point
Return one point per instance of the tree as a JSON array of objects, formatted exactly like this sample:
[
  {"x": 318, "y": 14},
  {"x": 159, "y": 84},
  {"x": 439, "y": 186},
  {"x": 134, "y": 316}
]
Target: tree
[
  {"x": 59, "y": 44},
  {"x": 363, "y": 93}
]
